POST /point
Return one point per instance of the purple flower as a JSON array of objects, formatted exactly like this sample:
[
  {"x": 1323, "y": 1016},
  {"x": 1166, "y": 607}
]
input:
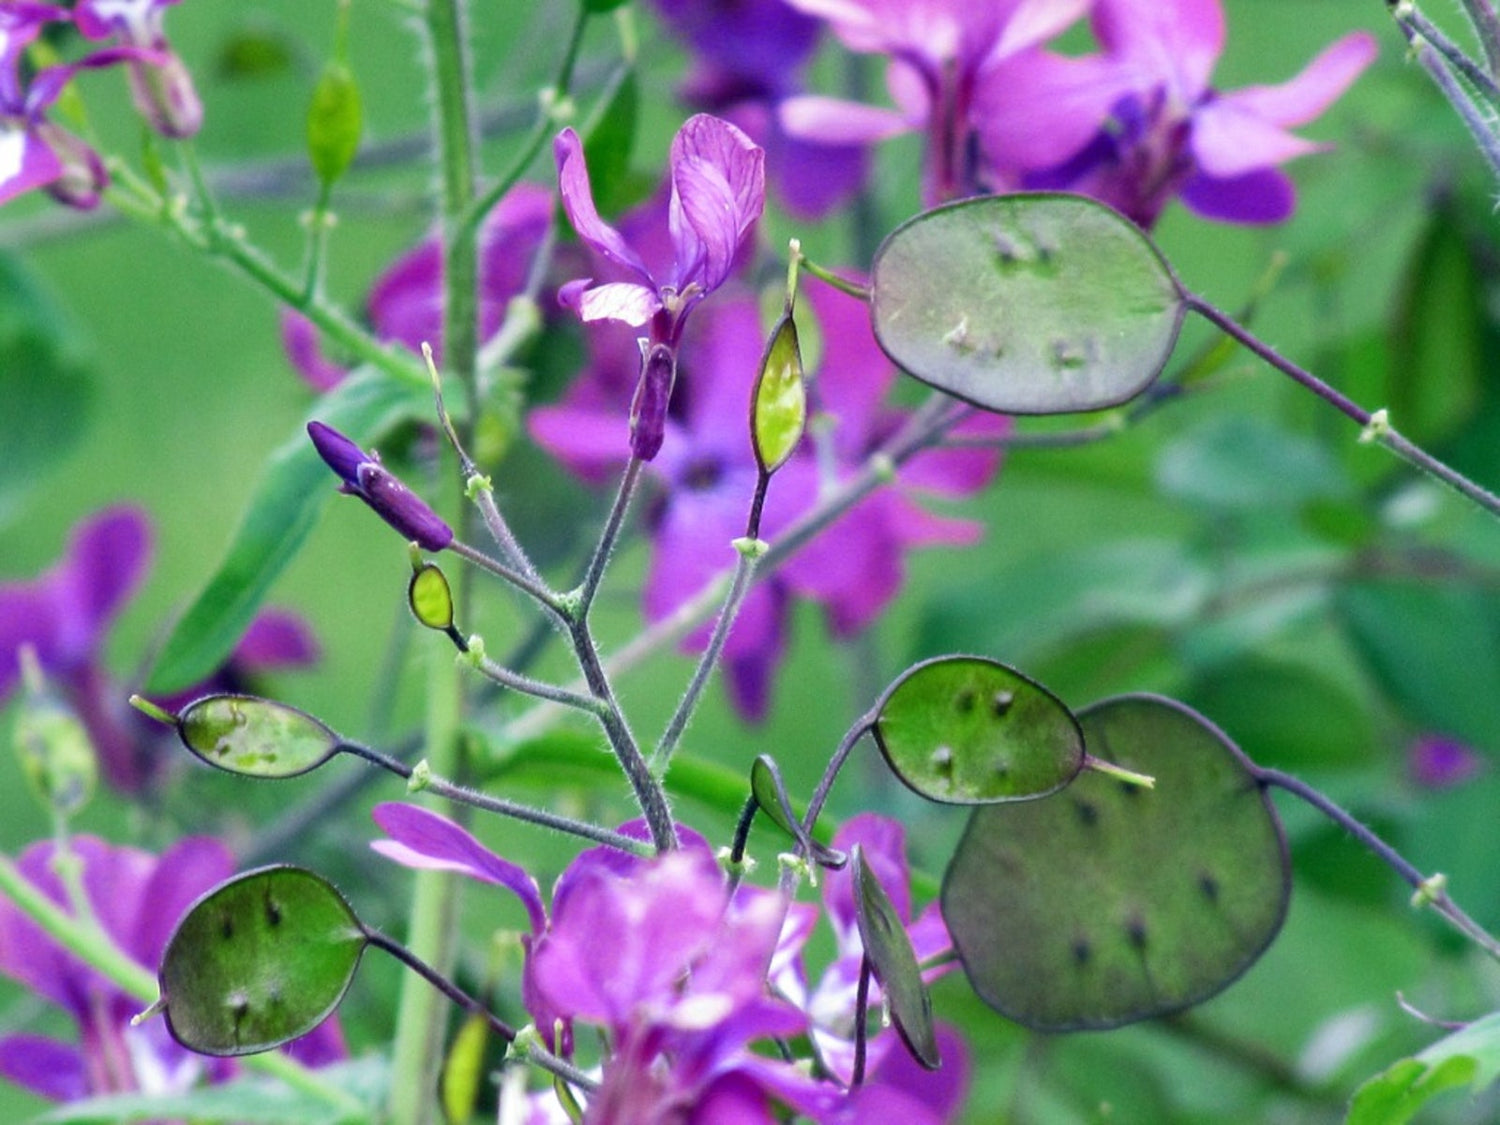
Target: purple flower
[
  {"x": 137, "y": 898},
  {"x": 707, "y": 473},
  {"x": 65, "y": 616},
  {"x": 1139, "y": 123},
  {"x": 159, "y": 82},
  {"x": 34, "y": 153},
  {"x": 405, "y": 306},
  {"x": 942, "y": 52},
  {"x": 364, "y": 476},
  {"x": 1436, "y": 761},
  {"x": 717, "y": 194},
  {"x": 748, "y": 56}
]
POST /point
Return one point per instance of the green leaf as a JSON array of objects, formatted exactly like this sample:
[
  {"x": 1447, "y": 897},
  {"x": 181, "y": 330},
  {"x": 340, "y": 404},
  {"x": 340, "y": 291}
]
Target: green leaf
[
  {"x": 256, "y": 737},
  {"x": 778, "y": 404},
  {"x": 1110, "y": 903},
  {"x": 894, "y": 962},
  {"x": 45, "y": 384},
  {"x": 254, "y": 1101},
  {"x": 1028, "y": 304},
  {"x": 282, "y": 511},
  {"x": 1241, "y": 463},
  {"x": 609, "y": 140},
  {"x": 259, "y": 960},
  {"x": 1433, "y": 649},
  {"x": 1470, "y": 1056},
  {"x": 966, "y": 730}
]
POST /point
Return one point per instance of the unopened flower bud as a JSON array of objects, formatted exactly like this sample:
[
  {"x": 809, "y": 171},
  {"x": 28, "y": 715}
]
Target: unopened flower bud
[
  {"x": 83, "y": 178},
  {"x": 648, "y": 411},
  {"x": 364, "y": 476},
  {"x": 164, "y": 93}
]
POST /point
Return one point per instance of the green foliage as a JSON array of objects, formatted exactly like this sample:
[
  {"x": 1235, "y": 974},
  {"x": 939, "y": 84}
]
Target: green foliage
[
  {"x": 258, "y": 961},
  {"x": 1028, "y": 304},
  {"x": 282, "y": 510},
  {"x": 1469, "y": 1057},
  {"x": 1111, "y": 903},
  {"x": 46, "y": 384}
]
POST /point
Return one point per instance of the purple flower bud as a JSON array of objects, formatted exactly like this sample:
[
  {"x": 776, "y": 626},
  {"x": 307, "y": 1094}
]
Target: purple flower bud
[
  {"x": 1436, "y": 761},
  {"x": 364, "y": 476},
  {"x": 653, "y": 394},
  {"x": 165, "y": 95}
]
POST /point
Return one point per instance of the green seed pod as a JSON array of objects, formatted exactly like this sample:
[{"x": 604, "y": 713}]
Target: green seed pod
[
  {"x": 334, "y": 122},
  {"x": 256, "y": 737},
  {"x": 778, "y": 404},
  {"x": 54, "y": 747},
  {"x": 430, "y": 598}
]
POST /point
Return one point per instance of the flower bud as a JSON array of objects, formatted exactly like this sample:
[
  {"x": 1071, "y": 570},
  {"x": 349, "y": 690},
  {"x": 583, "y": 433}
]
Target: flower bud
[
  {"x": 83, "y": 177},
  {"x": 164, "y": 93},
  {"x": 364, "y": 476},
  {"x": 648, "y": 410}
]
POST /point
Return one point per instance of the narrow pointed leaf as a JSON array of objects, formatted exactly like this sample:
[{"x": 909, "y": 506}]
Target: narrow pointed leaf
[
  {"x": 769, "y": 790},
  {"x": 1028, "y": 304},
  {"x": 889, "y": 949},
  {"x": 257, "y": 737},
  {"x": 967, "y": 730},
  {"x": 259, "y": 960},
  {"x": 1110, "y": 903},
  {"x": 282, "y": 510}
]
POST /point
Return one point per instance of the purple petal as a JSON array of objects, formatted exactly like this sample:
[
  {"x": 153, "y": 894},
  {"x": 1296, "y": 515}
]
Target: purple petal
[
  {"x": 718, "y": 192},
  {"x": 1436, "y": 762},
  {"x": 1304, "y": 97},
  {"x": 276, "y": 639},
  {"x": 26, "y": 161},
  {"x": 814, "y": 179},
  {"x": 1038, "y": 109},
  {"x": 340, "y": 454},
  {"x": 1172, "y": 42},
  {"x": 591, "y": 443},
  {"x": 834, "y": 121},
  {"x": 900, "y": 1089},
  {"x": 299, "y": 339},
  {"x": 107, "y": 559},
  {"x": 959, "y": 471},
  {"x": 578, "y": 202},
  {"x": 618, "y": 300},
  {"x": 421, "y": 838},
  {"x": 883, "y": 841},
  {"x": 1266, "y": 196},
  {"x": 1229, "y": 140},
  {"x": 1032, "y": 22},
  {"x": 854, "y": 568},
  {"x": 186, "y": 870},
  {"x": 406, "y": 302},
  {"x": 44, "y": 1066}
]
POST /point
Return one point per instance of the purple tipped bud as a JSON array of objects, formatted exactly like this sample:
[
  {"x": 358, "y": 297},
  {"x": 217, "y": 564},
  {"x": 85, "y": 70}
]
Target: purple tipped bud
[
  {"x": 402, "y": 508},
  {"x": 364, "y": 476},
  {"x": 342, "y": 455},
  {"x": 648, "y": 411},
  {"x": 83, "y": 177}
]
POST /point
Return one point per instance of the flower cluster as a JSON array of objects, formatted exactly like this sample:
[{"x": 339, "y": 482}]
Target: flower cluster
[
  {"x": 696, "y": 974},
  {"x": 36, "y": 153}
]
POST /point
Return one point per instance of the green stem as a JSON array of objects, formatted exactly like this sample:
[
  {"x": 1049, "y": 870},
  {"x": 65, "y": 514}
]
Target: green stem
[
  {"x": 431, "y": 930},
  {"x": 609, "y": 536},
  {"x": 92, "y": 946}
]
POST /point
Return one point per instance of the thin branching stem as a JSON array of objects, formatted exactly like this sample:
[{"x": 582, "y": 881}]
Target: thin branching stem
[{"x": 609, "y": 536}]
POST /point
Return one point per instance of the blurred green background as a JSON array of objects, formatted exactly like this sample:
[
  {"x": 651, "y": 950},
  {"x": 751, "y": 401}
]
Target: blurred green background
[{"x": 1238, "y": 550}]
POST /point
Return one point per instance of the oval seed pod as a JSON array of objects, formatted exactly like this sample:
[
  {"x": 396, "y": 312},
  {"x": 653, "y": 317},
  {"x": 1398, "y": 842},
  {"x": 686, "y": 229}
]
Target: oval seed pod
[
  {"x": 245, "y": 734},
  {"x": 335, "y": 118},
  {"x": 430, "y": 598},
  {"x": 778, "y": 404}
]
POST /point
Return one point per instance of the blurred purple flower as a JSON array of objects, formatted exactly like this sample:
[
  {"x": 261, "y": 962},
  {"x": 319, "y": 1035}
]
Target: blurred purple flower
[
  {"x": 364, "y": 476},
  {"x": 707, "y": 473},
  {"x": 748, "y": 56},
  {"x": 718, "y": 190},
  {"x": 137, "y": 898},
  {"x": 942, "y": 52},
  {"x": 65, "y": 616},
  {"x": 1139, "y": 123},
  {"x": 1436, "y": 761},
  {"x": 34, "y": 153},
  {"x": 159, "y": 82},
  {"x": 405, "y": 305}
]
